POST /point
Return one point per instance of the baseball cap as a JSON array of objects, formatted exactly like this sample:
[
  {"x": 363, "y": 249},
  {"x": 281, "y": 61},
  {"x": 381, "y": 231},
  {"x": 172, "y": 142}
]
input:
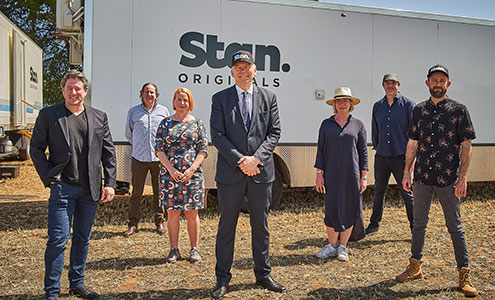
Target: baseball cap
[
  {"x": 391, "y": 76},
  {"x": 438, "y": 68},
  {"x": 242, "y": 55}
]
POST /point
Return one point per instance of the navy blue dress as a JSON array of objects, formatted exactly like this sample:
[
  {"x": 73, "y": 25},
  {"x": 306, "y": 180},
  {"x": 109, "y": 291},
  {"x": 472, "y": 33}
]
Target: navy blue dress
[{"x": 342, "y": 154}]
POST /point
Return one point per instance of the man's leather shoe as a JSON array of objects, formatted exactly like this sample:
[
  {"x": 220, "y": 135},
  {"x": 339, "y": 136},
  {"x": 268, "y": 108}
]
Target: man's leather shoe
[
  {"x": 160, "y": 229},
  {"x": 84, "y": 293},
  {"x": 270, "y": 284},
  {"x": 220, "y": 290},
  {"x": 132, "y": 230}
]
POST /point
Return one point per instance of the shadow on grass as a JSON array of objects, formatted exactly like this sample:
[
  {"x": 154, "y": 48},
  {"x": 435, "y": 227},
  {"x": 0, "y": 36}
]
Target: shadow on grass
[
  {"x": 102, "y": 235},
  {"x": 282, "y": 261},
  {"x": 381, "y": 290},
  {"x": 22, "y": 297},
  {"x": 27, "y": 215},
  {"x": 363, "y": 244},
  {"x": 177, "y": 294},
  {"x": 320, "y": 242},
  {"x": 120, "y": 264},
  {"x": 16, "y": 197}
]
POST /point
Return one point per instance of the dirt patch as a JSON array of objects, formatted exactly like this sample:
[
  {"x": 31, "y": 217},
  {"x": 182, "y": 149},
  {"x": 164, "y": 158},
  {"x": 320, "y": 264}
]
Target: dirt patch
[{"x": 135, "y": 268}]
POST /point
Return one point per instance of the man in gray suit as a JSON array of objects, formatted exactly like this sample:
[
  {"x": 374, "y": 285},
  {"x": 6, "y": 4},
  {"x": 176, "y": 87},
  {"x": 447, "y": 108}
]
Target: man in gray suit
[
  {"x": 80, "y": 144},
  {"x": 245, "y": 128}
]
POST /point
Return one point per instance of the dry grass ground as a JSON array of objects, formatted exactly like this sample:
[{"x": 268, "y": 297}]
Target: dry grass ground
[{"x": 135, "y": 268}]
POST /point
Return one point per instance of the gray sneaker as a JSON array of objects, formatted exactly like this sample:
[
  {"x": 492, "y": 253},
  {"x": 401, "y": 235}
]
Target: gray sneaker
[
  {"x": 173, "y": 255},
  {"x": 327, "y": 251},
  {"x": 194, "y": 256},
  {"x": 343, "y": 253}
]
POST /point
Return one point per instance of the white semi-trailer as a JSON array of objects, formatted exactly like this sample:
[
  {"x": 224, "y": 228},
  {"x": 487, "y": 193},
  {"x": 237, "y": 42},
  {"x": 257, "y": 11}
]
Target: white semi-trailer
[
  {"x": 21, "y": 88},
  {"x": 303, "y": 50}
]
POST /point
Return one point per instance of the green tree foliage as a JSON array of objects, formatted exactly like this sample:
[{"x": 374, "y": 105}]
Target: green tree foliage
[{"x": 37, "y": 19}]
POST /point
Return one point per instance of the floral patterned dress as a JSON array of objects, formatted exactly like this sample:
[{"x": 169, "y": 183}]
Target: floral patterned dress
[{"x": 181, "y": 142}]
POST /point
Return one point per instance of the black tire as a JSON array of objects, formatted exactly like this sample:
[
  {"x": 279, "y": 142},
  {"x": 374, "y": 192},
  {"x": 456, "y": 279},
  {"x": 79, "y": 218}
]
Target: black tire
[
  {"x": 277, "y": 188},
  {"x": 24, "y": 154}
]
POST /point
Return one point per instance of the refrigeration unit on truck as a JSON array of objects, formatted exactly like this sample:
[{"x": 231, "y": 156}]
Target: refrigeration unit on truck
[
  {"x": 303, "y": 51},
  {"x": 21, "y": 88}
]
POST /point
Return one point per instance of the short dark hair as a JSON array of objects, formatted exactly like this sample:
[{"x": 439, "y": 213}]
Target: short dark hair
[{"x": 74, "y": 74}]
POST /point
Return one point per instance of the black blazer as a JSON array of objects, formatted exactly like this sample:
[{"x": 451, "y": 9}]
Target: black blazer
[
  {"x": 51, "y": 130},
  {"x": 230, "y": 136}
]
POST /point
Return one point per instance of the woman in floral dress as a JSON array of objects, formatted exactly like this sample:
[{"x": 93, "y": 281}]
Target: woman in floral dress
[{"x": 181, "y": 146}]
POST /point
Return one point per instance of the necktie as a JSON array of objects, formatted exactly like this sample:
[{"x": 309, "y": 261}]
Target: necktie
[{"x": 245, "y": 111}]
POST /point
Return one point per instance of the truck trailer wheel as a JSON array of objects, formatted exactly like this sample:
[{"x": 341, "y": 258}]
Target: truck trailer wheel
[
  {"x": 21, "y": 143},
  {"x": 277, "y": 188}
]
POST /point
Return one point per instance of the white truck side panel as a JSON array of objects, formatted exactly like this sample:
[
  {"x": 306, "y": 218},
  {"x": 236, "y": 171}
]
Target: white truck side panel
[
  {"x": 111, "y": 80},
  {"x": 4, "y": 71},
  {"x": 470, "y": 51},
  {"x": 333, "y": 52},
  {"x": 406, "y": 47},
  {"x": 140, "y": 43},
  {"x": 33, "y": 81},
  {"x": 136, "y": 41},
  {"x": 21, "y": 77}
]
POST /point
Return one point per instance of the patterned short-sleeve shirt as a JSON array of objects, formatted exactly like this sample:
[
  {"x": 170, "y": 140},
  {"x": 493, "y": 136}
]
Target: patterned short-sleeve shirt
[{"x": 439, "y": 129}]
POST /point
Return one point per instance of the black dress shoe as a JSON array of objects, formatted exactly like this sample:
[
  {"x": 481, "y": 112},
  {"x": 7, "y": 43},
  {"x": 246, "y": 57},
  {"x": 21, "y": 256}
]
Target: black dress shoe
[
  {"x": 130, "y": 231},
  {"x": 219, "y": 291},
  {"x": 371, "y": 229},
  {"x": 270, "y": 284},
  {"x": 84, "y": 293},
  {"x": 160, "y": 229}
]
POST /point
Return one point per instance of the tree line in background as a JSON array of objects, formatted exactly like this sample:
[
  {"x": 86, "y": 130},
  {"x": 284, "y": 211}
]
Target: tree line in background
[{"x": 38, "y": 20}]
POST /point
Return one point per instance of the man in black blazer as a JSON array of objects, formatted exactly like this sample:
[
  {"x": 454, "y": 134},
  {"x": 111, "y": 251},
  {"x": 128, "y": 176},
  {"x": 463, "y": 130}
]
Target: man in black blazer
[
  {"x": 245, "y": 128},
  {"x": 79, "y": 145}
]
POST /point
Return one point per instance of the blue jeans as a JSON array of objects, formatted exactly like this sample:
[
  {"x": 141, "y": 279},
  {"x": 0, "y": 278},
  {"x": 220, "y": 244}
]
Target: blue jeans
[
  {"x": 451, "y": 213},
  {"x": 68, "y": 204},
  {"x": 384, "y": 167}
]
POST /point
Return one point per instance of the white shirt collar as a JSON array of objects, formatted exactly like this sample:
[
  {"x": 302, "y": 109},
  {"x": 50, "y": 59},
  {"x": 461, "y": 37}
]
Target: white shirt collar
[{"x": 240, "y": 91}]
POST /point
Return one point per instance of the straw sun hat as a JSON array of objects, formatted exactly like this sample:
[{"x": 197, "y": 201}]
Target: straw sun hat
[{"x": 343, "y": 93}]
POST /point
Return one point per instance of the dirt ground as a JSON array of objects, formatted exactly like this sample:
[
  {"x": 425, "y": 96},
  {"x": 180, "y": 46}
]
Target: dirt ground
[{"x": 135, "y": 268}]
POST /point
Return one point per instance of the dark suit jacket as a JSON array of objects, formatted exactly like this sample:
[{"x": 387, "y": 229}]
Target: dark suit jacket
[
  {"x": 51, "y": 130},
  {"x": 230, "y": 137}
]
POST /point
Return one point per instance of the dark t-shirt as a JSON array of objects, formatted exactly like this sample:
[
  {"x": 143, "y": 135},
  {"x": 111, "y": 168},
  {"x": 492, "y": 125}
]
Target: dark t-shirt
[{"x": 76, "y": 170}]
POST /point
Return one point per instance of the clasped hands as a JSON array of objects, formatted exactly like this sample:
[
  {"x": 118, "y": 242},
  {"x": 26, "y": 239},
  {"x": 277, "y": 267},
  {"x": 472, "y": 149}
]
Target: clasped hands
[
  {"x": 249, "y": 165},
  {"x": 185, "y": 176}
]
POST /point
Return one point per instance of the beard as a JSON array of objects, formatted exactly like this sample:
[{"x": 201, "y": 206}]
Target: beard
[{"x": 437, "y": 92}]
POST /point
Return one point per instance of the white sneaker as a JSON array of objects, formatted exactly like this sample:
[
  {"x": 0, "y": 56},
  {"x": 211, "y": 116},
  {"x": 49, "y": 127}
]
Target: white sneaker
[
  {"x": 343, "y": 254},
  {"x": 327, "y": 251}
]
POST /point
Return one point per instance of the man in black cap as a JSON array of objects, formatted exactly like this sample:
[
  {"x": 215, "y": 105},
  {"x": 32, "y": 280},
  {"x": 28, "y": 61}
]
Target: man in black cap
[
  {"x": 245, "y": 128},
  {"x": 390, "y": 121},
  {"x": 440, "y": 141}
]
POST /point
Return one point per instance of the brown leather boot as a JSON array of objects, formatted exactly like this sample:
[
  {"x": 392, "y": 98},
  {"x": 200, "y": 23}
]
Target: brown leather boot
[
  {"x": 412, "y": 272},
  {"x": 464, "y": 283}
]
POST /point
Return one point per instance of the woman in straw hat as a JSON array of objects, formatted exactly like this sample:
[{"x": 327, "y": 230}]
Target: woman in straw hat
[{"x": 341, "y": 169}]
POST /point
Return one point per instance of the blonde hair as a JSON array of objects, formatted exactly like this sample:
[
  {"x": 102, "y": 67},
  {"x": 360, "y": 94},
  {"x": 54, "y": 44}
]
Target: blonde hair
[{"x": 189, "y": 96}]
